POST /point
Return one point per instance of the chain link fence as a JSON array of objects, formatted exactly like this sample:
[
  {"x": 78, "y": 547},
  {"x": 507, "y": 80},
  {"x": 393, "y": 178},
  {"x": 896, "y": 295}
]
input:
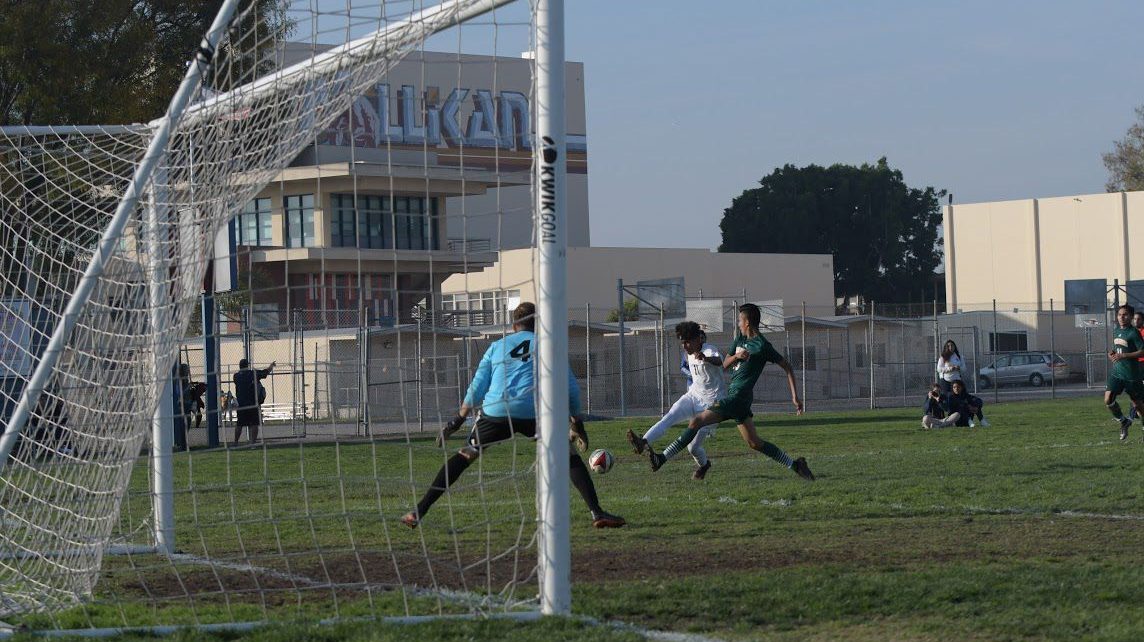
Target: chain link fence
[{"x": 337, "y": 377}]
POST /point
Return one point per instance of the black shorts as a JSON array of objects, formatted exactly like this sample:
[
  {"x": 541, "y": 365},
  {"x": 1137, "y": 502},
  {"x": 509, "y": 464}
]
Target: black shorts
[
  {"x": 492, "y": 430},
  {"x": 248, "y": 416}
]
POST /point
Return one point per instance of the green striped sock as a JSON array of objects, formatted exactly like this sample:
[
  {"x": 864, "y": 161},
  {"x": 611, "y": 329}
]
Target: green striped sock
[
  {"x": 680, "y": 443},
  {"x": 777, "y": 454}
]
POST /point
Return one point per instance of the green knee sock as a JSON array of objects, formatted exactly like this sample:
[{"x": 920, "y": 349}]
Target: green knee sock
[{"x": 677, "y": 446}]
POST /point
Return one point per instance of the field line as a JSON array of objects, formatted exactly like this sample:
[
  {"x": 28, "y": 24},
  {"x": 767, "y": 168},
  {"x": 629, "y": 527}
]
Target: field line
[{"x": 449, "y": 594}]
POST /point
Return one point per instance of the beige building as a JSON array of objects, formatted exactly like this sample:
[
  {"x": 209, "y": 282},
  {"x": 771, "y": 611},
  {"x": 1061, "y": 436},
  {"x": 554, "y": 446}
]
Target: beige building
[
  {"x": 1022, "y": 252},
  {"x": 593, "y": 273},
  {"x": 425, "y": 175}
]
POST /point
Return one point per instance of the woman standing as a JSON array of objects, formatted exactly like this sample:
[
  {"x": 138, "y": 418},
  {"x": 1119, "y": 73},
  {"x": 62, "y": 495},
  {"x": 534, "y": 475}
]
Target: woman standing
[{"x": 949, "y": 366}]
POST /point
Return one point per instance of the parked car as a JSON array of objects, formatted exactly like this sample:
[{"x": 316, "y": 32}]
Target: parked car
[{"x": 1018, "y": 368}]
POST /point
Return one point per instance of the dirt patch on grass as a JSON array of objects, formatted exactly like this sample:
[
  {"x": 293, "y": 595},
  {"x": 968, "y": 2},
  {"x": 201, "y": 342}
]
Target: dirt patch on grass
[{"x": 872, "y": 544}]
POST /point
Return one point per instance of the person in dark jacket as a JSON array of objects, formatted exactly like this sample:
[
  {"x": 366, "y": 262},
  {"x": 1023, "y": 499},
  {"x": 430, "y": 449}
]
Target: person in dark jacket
[
  {"x": 934, "y": 407},
  {"x": 966, "y": 405},
  {"x": 251, "y": 394}
]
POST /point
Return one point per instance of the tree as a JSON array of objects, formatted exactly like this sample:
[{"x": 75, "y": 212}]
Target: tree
[
  {"x": 882, "y": 233},
  {"x": 631, "y": 312},
  {"x": 69, "y": 62},
  {"x": 1125, "y": 163}
]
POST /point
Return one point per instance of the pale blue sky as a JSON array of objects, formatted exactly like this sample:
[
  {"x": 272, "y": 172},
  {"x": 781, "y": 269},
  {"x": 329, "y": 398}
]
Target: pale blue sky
[{"x": 690, "y": 103}]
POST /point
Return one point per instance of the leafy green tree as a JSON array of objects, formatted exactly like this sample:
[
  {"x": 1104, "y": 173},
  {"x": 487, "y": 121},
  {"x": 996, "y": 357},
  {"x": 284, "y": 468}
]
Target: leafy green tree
[
  {"x": 631, "y": 312},
  {"x": 882, "y": 233},
  {"x": 1125, "y": 163},
  {"x": 69, "y": 62}
]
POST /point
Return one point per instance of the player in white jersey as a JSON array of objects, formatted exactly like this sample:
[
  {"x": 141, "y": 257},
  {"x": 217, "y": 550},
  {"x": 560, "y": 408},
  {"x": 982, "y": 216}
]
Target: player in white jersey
[{"x": 707, "y": 386}]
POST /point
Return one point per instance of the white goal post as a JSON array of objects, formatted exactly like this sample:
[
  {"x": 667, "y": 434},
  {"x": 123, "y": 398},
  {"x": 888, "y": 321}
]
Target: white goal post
[{"x": 107, "y": 235}]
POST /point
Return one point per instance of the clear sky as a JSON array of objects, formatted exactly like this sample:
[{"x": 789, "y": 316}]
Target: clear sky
[{"x": 690, "y": 103}]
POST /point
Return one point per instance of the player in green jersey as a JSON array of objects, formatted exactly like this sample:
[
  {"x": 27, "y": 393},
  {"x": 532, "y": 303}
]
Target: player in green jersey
[
  {"x": 749, "y": 354},
  {"x": 1124, "y": 375}
]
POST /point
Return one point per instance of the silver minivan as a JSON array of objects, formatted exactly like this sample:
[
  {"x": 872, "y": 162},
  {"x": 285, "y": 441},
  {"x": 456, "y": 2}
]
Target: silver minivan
[{"x": 1019, "y": 368}]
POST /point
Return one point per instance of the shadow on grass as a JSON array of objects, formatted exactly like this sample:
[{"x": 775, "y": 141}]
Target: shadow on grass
[{"x": 813, "y": 422}]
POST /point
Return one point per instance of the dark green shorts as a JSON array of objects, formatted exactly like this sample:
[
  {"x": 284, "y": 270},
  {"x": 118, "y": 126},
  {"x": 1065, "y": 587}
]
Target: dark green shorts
[
  {"x": 737, "y": 408},
  {"x": 1135, "y": 389}
]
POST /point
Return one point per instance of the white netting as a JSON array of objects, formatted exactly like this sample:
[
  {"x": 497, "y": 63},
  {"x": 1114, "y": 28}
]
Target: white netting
[{"x": 259, "y": 531}]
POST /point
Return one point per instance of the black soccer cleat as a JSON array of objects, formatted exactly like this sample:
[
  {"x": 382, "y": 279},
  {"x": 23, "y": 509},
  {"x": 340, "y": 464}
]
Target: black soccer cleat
[
  {"x": 601, "y": 519},
  {"x": 639, "y": 444},
  {"x": 800, "y": 468},
  {"x": 656, "y": 460},
  {"x": 701, "y": 472}
]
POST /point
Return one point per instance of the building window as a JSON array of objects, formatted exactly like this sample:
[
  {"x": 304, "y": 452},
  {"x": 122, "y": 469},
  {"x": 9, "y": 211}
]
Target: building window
[
  {"x": 414, "y": 223},
  {"x": 341, "y": 291},
  {"x": 254, "y": 223},
  {"x": 373, "y": 221},
  {"x": 1008, "y": 342},
  {"x": 343, "y": 221},
  {"x": 366, "y": 226},
  {"x": 862, "y": 355},
  {"x": 382, "y": 222},
  {"x": 300, "y": 221},
  {"x": 796, "y": 358},
  {"x": 480, "y": 308}
]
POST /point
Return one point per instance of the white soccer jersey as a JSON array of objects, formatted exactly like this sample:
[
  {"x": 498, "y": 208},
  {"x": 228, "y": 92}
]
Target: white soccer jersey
[{"x": 707, "y": 383}]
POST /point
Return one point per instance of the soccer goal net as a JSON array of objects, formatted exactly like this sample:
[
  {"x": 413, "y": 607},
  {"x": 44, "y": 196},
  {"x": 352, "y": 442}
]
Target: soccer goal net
[{"x": 230, "y": 335}]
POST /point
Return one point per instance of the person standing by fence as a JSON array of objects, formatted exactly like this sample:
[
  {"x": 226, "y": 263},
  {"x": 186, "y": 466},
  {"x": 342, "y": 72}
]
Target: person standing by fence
[
  {"x": 949, "y": 366},
  {"x": 251, "y": 394}
]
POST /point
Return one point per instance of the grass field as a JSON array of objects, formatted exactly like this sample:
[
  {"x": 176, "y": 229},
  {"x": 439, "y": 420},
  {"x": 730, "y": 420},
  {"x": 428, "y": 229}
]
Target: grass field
[{"x": 1032, "y": 529}]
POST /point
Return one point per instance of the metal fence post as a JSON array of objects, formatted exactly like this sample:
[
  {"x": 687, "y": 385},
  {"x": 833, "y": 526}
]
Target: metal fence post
[
  {"x": 366, "y": 419},
  {"x": 993, "y": 353},
  {"x": 902, "y": 347},
  {"x": 870, "y": 354},
  {"x": 804, "y": 399},
  {"x": 661, "y": 363},
  {"x": 588, "y": 358},
  {"x": 623, "y": 362},
  {"x": 247, "y": 349},
  {"x": 1053, "y": 348},
  {"x": 976, "y": 356},
  {"x": 849, "y": 365},
  {"x": 420, "y": 404}
]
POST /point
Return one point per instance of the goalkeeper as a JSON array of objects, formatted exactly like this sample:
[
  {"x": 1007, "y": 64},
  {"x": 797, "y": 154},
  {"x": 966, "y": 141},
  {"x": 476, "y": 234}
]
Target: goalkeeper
[{"x": 503, "y": 388}]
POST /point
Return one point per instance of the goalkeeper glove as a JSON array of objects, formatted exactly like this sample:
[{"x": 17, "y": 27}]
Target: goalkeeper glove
[{"x": 451, "y": 427}]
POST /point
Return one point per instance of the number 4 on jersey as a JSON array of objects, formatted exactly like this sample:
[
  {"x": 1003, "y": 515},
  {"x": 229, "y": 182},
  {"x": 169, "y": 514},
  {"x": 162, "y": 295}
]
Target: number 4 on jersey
[{"x": 520, "y": 351}]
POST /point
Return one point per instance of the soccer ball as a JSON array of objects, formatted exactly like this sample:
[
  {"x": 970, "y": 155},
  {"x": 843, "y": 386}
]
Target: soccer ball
[{"x": 600, "y": 461}]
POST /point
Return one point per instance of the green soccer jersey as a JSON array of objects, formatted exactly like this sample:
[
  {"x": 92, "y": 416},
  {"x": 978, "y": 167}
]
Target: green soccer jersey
[
  {"x": 1126, "y": 340},
  {"x": 744, "y": 374}
]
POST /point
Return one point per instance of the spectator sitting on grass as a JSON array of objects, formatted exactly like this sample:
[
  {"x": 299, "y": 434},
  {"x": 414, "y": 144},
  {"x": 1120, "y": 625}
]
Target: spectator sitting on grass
[
  {"x": 968, "y": 406},
  {"x": 934, "y": 408}
]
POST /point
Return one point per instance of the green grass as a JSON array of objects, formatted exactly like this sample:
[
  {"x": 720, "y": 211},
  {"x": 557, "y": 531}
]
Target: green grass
[{"x": 1031, "y": 529}]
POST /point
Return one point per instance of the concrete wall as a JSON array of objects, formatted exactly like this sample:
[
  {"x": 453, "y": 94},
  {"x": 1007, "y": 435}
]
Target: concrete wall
[
  {"x": 593, "y": 271},
  {"x": 1022, "y": 252}
]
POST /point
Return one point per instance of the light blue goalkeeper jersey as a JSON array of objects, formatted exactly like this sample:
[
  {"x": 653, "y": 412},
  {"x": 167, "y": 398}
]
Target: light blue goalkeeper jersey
[{"x": 504, "y": 384}]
